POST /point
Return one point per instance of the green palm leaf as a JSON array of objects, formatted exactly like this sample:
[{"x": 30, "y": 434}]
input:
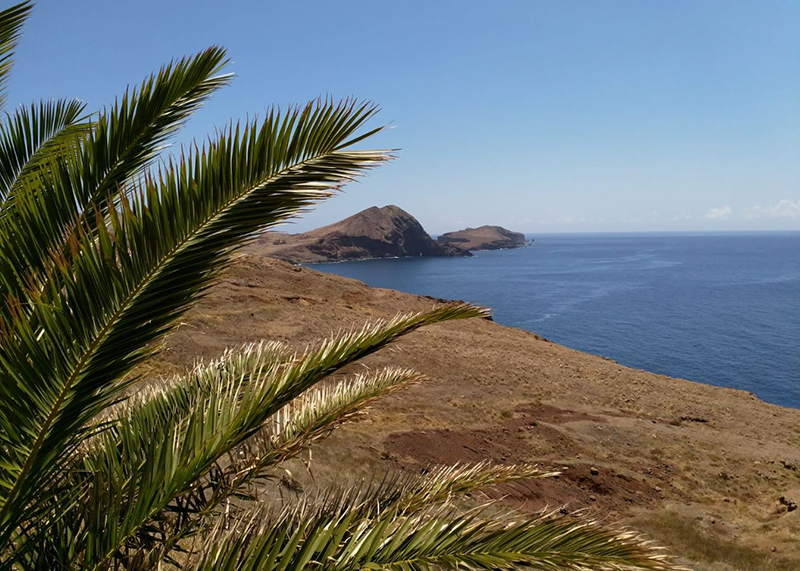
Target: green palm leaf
[
  {"x": 123, "y": 140},
  {"x": 11, "y": 21},
  {"x": 250, "y": 465},
  {"x": 32, "y": 136},
  {"x": 404, "y": 494},
  {"x": 145, "y": 465},
  {"x": 441, "y": 485},
  {"x": 127, "y": 283}
]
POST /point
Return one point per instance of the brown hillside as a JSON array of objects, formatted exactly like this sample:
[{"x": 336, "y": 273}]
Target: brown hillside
[{"x": 701, "y": 468}]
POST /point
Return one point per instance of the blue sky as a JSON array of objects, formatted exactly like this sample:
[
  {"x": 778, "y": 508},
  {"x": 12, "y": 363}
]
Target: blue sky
[{"x": 542, "y": 116}]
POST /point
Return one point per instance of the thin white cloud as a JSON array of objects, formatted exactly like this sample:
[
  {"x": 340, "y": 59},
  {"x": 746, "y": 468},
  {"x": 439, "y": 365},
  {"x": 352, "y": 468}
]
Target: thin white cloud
[
  {"x": 571, "y": 219},
  {"x": 784, "y": 209},
  {"x": 721, "y": 213},
  {"x": 682, "y": 216}
]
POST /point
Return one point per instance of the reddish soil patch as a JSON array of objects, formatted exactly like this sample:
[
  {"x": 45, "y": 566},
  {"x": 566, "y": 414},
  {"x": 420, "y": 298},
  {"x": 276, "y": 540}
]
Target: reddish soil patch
[{"x": 518, "y": 440}]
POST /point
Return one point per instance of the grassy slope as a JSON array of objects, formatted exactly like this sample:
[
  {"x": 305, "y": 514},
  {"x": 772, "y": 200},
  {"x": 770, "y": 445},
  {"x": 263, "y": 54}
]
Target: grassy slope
[{"x": 698, "y": 467}]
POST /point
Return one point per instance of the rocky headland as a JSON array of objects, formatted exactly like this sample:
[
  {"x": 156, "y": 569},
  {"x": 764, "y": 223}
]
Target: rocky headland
[
  {"x": 388, "y": 232},
  {"x": 484, "y": 238}
]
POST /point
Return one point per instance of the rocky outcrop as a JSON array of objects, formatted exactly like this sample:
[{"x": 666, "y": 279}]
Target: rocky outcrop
[
  {"x": 388, "y": 232},
  {"x": 484, "y": 238}
]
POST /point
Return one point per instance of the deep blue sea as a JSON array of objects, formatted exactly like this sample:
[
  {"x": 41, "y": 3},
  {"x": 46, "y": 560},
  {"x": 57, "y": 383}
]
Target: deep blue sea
[{"x": 722, "y": 309}]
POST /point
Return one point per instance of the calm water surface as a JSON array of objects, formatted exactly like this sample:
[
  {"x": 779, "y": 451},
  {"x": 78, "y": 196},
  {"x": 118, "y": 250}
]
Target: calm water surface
[{"x": 722, "y": 309}]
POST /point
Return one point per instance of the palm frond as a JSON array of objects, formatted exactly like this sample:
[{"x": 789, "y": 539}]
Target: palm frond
[
  {"x": 11, "y": 21},
  {"x": 446, "y": 484},
  {"x": 32, "y": 136},
  {"x": 125, "y": 284},
  {"x": 343, "y": 539},
  {"x": 308, "y": 418},
  {"x": 123, "y": 140},
  {"x": 165, "y": 538},
  {"x": 160, "y": 405},
  {"x": 145, "y": 466},
  {"x": 123, "y": 435},
  {"x": 292, "y": 429}
]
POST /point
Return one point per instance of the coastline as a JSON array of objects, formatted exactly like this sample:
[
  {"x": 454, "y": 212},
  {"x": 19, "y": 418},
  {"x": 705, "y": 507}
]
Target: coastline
[
  {"x": 371, "y": 258},
  {"x": 679, "y": 306},
  {"x": 747, "y": 393}
]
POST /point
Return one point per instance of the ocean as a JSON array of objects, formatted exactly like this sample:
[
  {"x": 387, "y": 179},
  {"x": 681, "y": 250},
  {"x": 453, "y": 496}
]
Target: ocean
[{"x": 722, "y": 309}]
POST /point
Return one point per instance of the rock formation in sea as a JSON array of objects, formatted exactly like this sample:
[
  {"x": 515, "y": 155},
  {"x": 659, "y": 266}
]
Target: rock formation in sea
[{"x": 484, "y": 238}]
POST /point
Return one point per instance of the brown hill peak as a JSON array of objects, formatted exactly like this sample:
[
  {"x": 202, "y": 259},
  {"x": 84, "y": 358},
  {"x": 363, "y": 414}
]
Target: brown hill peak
[{"x": 387, "y": 232}]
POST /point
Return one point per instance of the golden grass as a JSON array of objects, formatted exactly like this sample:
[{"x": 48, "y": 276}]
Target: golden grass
[{"x": 689, "y": 541}]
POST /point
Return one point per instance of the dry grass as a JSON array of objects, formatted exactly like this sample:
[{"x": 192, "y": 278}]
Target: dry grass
[{"x": 711, "y": 552}]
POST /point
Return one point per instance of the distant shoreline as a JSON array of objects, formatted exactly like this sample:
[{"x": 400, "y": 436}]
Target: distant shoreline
[
  {"x": 321, "y": 263},
  {"x": 665, "y": 233}
]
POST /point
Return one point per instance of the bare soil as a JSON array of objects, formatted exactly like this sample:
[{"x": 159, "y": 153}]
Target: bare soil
[{"x": 699, "y": 468}]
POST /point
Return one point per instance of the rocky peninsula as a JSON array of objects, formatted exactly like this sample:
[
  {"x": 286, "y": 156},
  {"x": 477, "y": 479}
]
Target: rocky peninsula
[{"x": 387, "y": 232}]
